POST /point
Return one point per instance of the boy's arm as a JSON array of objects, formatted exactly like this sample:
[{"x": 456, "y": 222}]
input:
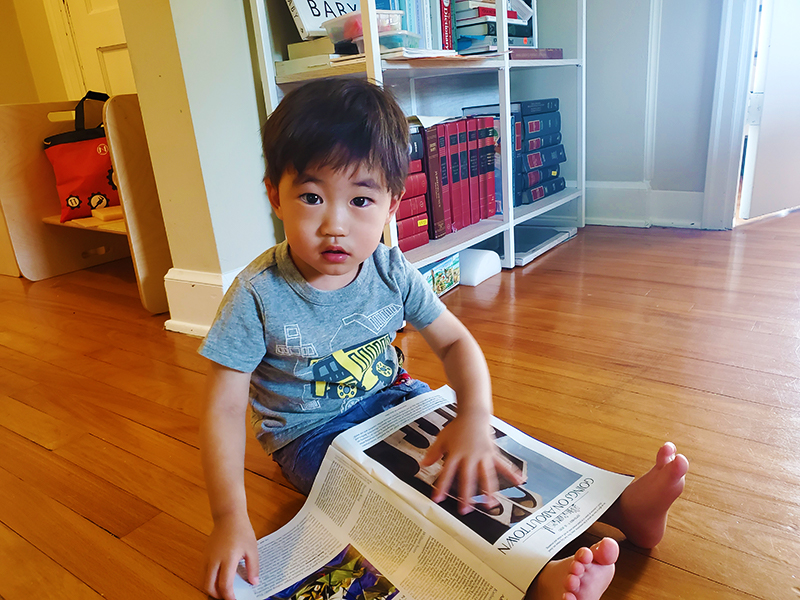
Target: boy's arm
[
  {"x": 467, "y": 442},
  {"x": 222, "y": 444}
]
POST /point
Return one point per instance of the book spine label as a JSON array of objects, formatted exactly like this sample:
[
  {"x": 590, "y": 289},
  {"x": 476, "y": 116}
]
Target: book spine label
[{"x": 436, "y": 227}]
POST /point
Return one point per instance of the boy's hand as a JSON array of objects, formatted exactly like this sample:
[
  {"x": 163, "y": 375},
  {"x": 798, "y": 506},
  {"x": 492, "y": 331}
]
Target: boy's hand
[
  {"x": 471, "y": 455},
  {"x": 232, "y": 540}
]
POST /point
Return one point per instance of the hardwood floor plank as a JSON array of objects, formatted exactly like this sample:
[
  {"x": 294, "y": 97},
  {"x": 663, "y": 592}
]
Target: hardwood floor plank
[
  {"x": 88, "y": 495},
  {"x": 35, "y": 425},
  {"x": 102, "y": 561},
  {"x": 21, "y": 561}
]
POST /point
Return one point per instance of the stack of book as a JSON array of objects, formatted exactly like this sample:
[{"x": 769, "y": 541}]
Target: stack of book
[
  {"x": 412, "y": 215},
  {"x": 538, "y": 151},
  {"x": 475, "y": 24}
]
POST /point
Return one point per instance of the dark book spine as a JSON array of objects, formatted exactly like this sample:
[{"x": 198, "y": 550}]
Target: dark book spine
[
  {"x": 542, "y": 141},
  {"x": 416, "y": 146},
  {"x": 436, "y": 228},
  {"x": 538, "y": 125},
  {"x": 537, "y": 107},
  {"x": 491, "y": 196},
  {"x": 514, "y": 30},
  {"x": 546, "y": 157},
  {"x": 441, "y": 131}
]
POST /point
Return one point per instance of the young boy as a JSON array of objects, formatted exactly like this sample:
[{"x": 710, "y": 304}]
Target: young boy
[{"x": 304, "y": 335}]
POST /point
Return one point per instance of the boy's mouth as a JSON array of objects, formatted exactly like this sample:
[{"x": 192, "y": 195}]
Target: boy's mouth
[{"x": 335, "y": 254}]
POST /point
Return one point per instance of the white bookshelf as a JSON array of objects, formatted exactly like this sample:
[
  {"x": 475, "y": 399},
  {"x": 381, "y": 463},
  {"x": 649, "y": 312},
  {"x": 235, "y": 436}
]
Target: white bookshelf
[{"x": 442, "y": 87}]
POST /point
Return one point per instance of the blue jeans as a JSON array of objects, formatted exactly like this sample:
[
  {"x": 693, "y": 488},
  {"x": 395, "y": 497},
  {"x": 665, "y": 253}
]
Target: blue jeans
[{"x": 301, "y": 458}]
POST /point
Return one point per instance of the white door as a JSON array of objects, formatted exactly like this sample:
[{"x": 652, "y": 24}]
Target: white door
[
  {"x": 772, "y": 158},
  {"x": 98, "y": 39}
]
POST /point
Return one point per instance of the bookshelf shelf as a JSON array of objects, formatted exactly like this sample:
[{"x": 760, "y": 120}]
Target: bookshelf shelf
[{"x": 443, "y": 86}]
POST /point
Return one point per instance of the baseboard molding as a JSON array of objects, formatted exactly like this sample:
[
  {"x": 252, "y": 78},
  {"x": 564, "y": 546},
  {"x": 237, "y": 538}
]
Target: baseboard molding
[
  {"x": 634, "y": 204},
  {"x": 193, "y": 297}
]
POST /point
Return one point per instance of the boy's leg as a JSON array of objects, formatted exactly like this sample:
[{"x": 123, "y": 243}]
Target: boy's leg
[
  {"x": 641, "y": 510},
  {"x": 301, "y": 459},
  {"x": 584, "y": 576}
]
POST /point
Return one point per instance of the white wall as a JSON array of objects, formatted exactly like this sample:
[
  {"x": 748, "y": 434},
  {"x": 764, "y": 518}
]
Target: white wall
[
  {"x": 650, "y": 76},
  {"x": 193, "y": 72}
]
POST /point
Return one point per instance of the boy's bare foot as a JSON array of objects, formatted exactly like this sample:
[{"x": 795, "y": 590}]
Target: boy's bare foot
[
  {"x": 585, "y": 576},
  {"x": 641, "y": 510}
]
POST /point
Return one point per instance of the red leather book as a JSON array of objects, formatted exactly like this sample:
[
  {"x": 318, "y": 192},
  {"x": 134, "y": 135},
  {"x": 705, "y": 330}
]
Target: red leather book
[
  {"x": 454, "y": 173},
  {"x": 444, "y": 175},
  {"x": 463, "y": 162},
  {"x": 446, "y": 19},
  {"x": 415, "y": 166},
  {"x": 474, "y": 170},
  {"x": 415, "y": 241},
  {"x": 491, "y": 196},
  {"x": 483, "y": 151},
  {"x": 412, "y": 226},
  {"x": 433, "y": 170},
  {"x": 411, "y": 207},
  {"x": 416, "y": 185}
]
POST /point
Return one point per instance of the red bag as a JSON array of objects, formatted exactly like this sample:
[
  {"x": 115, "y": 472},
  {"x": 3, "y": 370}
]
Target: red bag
[{"x": 82, "y": 166}]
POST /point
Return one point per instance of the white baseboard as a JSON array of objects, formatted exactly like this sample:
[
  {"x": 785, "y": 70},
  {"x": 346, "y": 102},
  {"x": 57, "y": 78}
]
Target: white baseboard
[
  {"x": 634, "y": 204},
  {"x": 193, "y": 297}
]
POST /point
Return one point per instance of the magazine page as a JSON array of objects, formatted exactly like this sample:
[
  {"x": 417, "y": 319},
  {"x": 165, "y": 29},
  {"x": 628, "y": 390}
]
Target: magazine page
[
  {"x": 354, "y": 538},
  {"x": 560, "y": 497}
]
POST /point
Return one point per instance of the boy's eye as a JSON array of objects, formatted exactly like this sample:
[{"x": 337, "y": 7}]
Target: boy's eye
[
  {"x": 311, "y": 198},
  {"x": 361, "y": 201}
]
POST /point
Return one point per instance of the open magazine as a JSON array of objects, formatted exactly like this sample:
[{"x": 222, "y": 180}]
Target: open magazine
[{"x": 370, "y": 531}]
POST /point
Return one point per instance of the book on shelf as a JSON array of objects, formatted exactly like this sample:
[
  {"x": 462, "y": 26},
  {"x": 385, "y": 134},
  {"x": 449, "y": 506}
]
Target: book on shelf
[
  {"x": 446, "y": 23},
  {"x": 486, "y": 43},
  {"x": 416, "y": 185},
  {"x": 370, "y": 530},
  {"x": 441, "y": 132},
  {"x": 411, "y": 207},
  {"x": 285, "y": 68},
  {"x": 491, "y": 148},
  {"x": 480, "y": 11},
  {"x": 436, "y": 223},
  {"x": 313, "y": 47},
  {"x": 416, "y": 143},
  {"x": 547, "y": 188},
  {"x": 524, "y": 181},
  {"x": 413, "y": 225},
  {"x": 544, "y": 157},
  {"x": 309, "y": 15},
  {"x": 462, "y": 22},
  {"x": 537, "y": 107},
  {"x": 414, "y": 241},
  {"x": 414, "y": 166},
  {"x": 474, "y": 170},
  {"x": 454, "y": 173},
  {"x": 483, "y": 26},
  {"x": 541, "y": 141},
  {"x": 539, "y": 125},
  {"x": 463, "y": 162}
]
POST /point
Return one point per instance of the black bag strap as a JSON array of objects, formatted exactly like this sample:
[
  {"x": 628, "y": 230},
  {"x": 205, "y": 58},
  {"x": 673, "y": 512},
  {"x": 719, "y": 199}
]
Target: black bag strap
[{"x": 80, "y": 121}]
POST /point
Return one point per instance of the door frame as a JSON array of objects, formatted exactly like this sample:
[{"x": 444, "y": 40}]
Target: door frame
[
  {"x": 726, "y": 138},
  {"x": 66, "y": 50}
]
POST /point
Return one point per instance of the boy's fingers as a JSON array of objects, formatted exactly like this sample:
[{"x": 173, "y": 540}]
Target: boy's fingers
[
  {"x": 488, "y": 480},
  {"x": 212, "y": 572},
  {"x": 251, "y": 563},
  {"x": 225, "y": 580},
  {"x": 507, "y": 469},
  {"x": 467, "y": 488},
  {"x": 433, "y": 454},
  {"x": 444, "y": 482}
]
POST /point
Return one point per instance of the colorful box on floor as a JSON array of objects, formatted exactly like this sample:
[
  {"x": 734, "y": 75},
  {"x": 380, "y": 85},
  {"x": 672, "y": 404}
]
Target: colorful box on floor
[{"x": 444, "y": 275}]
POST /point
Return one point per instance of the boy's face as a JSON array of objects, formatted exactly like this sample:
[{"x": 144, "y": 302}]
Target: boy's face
[{"x": 333, "y": 220}]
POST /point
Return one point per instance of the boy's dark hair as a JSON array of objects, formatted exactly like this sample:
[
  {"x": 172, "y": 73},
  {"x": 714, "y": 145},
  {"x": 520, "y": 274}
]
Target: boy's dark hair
[{"x": 338, "y": 123}]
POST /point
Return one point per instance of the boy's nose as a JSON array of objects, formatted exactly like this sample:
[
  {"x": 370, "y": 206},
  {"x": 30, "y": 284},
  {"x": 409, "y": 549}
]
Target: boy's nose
[{"x": 335, "y": 222}]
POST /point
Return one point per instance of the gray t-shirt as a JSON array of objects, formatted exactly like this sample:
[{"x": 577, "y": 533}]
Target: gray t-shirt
[{"x": 314, "y": 353}]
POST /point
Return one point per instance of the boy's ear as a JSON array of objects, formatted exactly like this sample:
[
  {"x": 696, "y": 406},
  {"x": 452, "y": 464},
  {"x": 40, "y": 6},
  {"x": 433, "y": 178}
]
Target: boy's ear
[
  {"x": 394, "y": 205},
  {"x": 274, "y": 198}
]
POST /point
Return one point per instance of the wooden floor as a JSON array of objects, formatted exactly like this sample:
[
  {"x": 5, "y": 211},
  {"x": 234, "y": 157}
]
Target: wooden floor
[{"x": 605, "y": 347}]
